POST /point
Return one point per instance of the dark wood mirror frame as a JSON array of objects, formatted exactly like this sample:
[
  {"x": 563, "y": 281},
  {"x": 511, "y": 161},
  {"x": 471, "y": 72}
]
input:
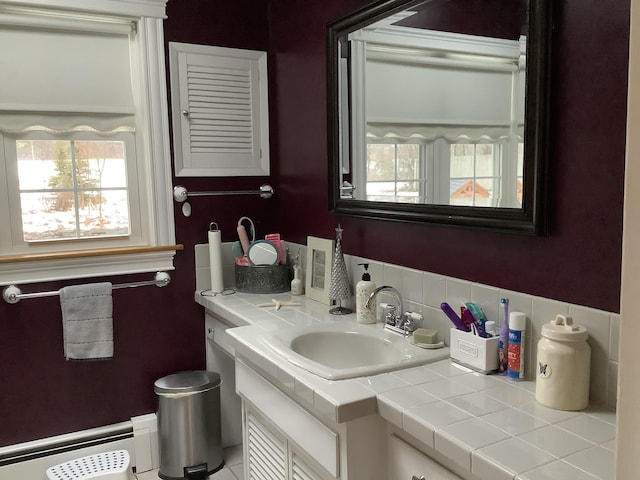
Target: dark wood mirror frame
[{"x": 531, "y": 218}]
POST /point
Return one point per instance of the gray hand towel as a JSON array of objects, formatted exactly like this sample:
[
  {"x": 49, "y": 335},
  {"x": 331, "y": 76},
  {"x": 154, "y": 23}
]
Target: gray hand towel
[{"x": 87, "y": 322}]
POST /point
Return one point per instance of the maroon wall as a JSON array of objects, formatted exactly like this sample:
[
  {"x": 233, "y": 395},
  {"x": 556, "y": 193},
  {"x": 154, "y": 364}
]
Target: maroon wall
[
  {"x": 579, "y": 261},
  {"x": 160, "y": 331},
  {"x": 156, "y": 331}
]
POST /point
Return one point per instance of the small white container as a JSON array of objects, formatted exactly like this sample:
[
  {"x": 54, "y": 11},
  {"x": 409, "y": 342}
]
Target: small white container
[
  {"x": 473, "y": 351},
  {"x": 564, "y": 365},
  {"x": 297, "y": 287}
]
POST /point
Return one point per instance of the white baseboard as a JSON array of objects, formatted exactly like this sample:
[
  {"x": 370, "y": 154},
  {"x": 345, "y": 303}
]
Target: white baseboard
[{"x": 30, "y": 460}]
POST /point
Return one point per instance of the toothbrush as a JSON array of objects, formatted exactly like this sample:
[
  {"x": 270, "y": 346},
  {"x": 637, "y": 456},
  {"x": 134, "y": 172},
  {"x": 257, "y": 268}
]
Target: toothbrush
[
  {"x": 503, "y": 343},
  {"x": 504, "y": 307},
  {"x": 453, "y": 316},
  {"x": 476, "y": 325},
  {"x": 477, "y": 316}
]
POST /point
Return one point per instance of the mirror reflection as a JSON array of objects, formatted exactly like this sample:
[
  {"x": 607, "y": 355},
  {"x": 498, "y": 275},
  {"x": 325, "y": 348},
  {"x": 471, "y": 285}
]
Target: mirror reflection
[
  {"x": 433, "y": 105},
  {"x": 438, "y": 112}
]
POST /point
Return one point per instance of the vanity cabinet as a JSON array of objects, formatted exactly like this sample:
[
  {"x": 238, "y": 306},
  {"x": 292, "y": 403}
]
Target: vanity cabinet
[
  {"x": 408, "y": 463},
  {"x": 284, "y": 440},
  {"x": 278, "y": 433},
  {"x": 270, "y": 455},
  {"x": 220, "y": 358}
]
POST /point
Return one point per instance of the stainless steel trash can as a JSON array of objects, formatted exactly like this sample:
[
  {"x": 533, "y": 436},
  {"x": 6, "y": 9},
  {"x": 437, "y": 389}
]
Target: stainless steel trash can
[{"x": 189, "y": 425}]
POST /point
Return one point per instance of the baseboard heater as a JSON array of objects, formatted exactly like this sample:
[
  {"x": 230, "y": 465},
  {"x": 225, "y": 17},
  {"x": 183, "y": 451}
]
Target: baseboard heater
[
  {"x": 24, "y": 452},
  {"x": 138, "y": 436}
]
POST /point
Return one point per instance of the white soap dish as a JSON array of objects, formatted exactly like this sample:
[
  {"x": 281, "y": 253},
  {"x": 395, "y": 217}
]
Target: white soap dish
[{"x": 430, "y": 346}]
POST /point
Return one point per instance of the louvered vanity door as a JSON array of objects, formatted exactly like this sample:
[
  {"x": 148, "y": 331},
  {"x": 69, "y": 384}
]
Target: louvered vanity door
[
  {"x": 284, "y": 426},
  {"x": 266, "y": 452},
  {"x": 269, "y": 456}
]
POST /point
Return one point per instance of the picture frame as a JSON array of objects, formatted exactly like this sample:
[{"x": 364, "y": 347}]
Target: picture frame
[{"x": 318, "y": 274}]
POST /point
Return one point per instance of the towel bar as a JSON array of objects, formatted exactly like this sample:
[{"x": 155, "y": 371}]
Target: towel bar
[
  {"x": 13, "y": 294},
  {"x": 180, "y": 193}
]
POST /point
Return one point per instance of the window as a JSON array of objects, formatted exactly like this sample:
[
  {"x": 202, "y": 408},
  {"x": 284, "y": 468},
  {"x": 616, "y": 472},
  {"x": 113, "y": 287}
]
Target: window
[
  {"x": 72, "y": 189},
  {"x": 441, "y": 172},
  {"x": 395, "y": 173},
  {"x": 84, "y": 159},
  {"x": 475, "y": 176}
]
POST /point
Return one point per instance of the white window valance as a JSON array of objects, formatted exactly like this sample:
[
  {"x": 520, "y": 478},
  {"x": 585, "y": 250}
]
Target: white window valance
[
  {"x": 70, "y": 78},
  {"x": 423, "y": 85},
  {"x": 426, "y": 133}
]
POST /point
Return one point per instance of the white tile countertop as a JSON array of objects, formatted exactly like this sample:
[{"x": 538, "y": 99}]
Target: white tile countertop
[{"x": 488, "y": 425}]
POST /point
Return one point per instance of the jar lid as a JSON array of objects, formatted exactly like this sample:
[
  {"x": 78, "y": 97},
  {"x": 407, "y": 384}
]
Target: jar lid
[{"x": 563, "y": 329}]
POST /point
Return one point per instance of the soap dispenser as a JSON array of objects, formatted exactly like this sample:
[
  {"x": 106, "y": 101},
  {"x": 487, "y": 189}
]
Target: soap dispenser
[{"x": 364, "y": 288}]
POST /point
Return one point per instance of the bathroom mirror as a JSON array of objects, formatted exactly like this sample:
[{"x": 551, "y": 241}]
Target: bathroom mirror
[{"x": 438, "y": 112}]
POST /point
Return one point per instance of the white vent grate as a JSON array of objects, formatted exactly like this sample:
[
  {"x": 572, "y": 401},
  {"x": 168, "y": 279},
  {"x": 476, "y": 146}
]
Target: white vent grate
[
  {"x": 220, "y": 113},
  {"x": 267, "y": 454},
  {"x": 108, "y": 466}
]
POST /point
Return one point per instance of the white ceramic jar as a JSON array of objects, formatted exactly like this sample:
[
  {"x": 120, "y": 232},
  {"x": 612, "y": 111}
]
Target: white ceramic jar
[{"x": 563, "y": 365}]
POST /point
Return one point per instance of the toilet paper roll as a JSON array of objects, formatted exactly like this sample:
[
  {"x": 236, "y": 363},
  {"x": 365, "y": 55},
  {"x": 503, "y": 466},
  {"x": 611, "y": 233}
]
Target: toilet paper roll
[{"x": 215, "y": 260}]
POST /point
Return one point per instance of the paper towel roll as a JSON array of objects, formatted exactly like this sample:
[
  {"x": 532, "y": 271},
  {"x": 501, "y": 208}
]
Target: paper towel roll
[{"x": 215, "y": 260}]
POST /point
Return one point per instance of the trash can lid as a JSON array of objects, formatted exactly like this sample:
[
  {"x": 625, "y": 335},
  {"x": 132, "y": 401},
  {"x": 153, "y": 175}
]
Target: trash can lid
[{"x": 187, "y": 382}]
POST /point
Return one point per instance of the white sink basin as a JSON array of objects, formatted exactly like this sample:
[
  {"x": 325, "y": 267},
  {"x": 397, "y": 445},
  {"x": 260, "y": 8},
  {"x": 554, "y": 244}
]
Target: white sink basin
[{"x": 346, "y": 349}]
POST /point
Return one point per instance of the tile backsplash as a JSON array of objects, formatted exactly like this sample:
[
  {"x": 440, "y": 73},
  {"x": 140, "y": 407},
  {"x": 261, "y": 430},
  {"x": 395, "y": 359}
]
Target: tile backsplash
[{"x": 423, "y": 292}]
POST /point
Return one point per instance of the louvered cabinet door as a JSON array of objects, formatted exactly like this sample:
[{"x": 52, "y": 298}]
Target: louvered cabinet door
[
  {"x": 265, "y": 451},
  {"x": 219, "y": 111},
  {"x": 271, "y": 456}
]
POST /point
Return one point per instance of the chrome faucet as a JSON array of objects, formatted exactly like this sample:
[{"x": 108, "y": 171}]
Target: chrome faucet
[{"x": 396, "y": 319}]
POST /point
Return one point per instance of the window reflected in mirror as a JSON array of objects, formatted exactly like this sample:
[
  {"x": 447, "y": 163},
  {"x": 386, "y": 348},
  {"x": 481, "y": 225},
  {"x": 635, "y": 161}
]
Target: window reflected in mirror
[
  {"x": 468, "y": 174},
  {"x": 438, "y": 111}
]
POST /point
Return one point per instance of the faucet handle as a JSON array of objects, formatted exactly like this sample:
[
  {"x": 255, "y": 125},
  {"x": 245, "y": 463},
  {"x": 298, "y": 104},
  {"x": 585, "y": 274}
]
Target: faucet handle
[
  {"x": 412, "y": 320},
  {"x": 390, "y": 317}
]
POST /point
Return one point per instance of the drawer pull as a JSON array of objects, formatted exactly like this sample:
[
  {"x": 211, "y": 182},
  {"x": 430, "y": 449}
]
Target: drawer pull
[{"x": 421, "y": 477}]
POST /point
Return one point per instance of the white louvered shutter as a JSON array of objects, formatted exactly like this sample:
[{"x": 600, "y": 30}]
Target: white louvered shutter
[
  {"x": 266, "y": 452},
  {"x": 219, "y": 110}
]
